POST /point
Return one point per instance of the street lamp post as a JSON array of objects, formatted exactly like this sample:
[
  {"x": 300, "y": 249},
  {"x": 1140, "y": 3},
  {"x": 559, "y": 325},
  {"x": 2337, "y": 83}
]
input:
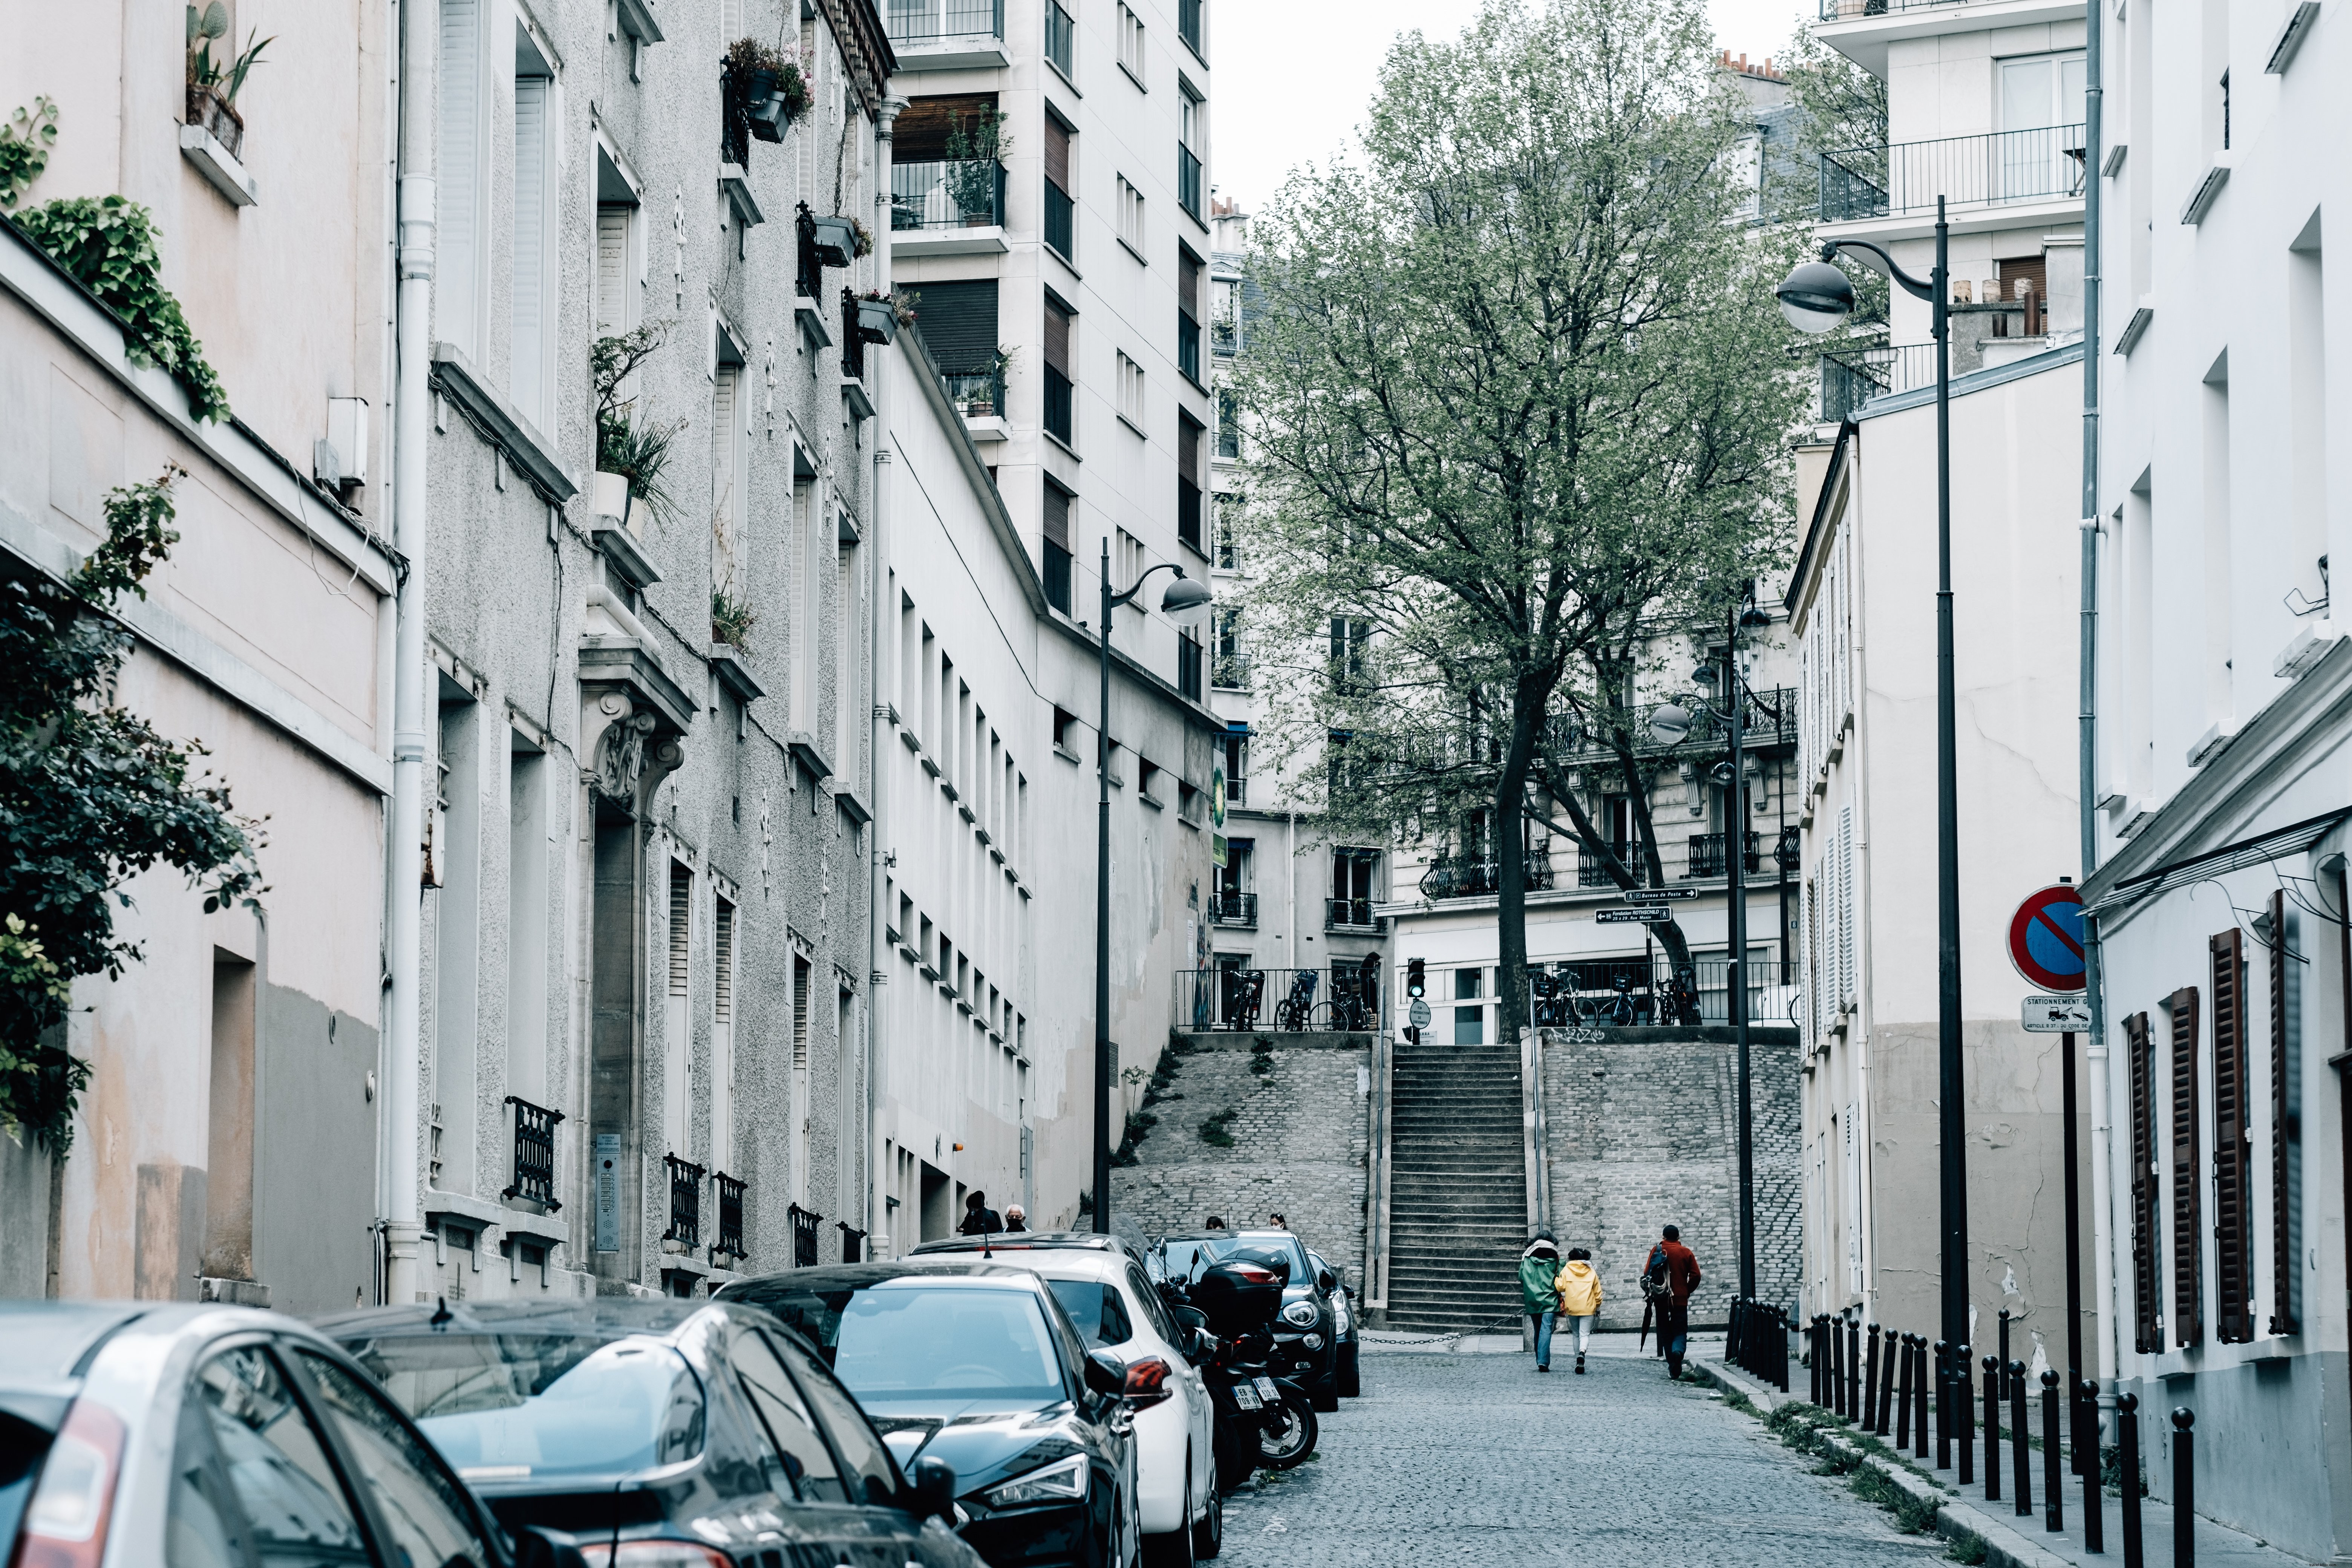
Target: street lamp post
[
  {"x": 1186, "y": 603},
  {"x": 1815, "y": 297}
]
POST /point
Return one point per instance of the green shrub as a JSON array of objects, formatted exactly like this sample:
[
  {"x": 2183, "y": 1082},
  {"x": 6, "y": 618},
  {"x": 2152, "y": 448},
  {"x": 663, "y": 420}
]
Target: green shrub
[
  {"x": 107, "y": 245},
  {"x": 1215, "y": 1130},
  {"x": 24, "y": 143}
]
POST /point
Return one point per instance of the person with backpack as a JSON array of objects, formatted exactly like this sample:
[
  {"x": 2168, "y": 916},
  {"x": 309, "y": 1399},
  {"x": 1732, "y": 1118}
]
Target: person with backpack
[
  {"x": 979, "y": 1220},
  {"x": 1668, "y": 1279},
  {"x": 1538, "y": 1274},
  {"x": 1579, "y": 1289}
]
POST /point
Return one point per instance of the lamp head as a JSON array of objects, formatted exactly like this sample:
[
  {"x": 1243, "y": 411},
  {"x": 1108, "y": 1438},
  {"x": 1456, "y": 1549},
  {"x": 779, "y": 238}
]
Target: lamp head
[
  {"x": 1670, "y": 723},
  {"x": 1186, "y": 603},
  {"x": 1816, "y": 297}
]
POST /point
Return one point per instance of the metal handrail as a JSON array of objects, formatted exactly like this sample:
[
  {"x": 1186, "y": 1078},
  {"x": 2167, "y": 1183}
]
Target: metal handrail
[
  {"x": 730, "y": 1214},
  {"x": 917, "y": 21},
  {"x": 947, "y": 193},
  {"x": 685, "y": 1201},
  {"x": 804, "y": 1223},
  {"x": 2040, "y": 163},
  {"x": 534, "y": 1153},
  {"x": 1233, "y": 908}
]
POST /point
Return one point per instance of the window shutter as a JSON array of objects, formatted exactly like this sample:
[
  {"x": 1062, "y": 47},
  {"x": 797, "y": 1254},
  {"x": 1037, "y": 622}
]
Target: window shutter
[
  {"x": 1057, "y": 338},
  {"x": 2233, "y": 1280},
  {"x": 457, "y": 171},
  {"x": 2148, "y": 1329},
  {"x": 959, "y": 322},
  {"x": 1188, "y": 283},
  {"x": 1849, "y": 976},
  {"x": 612, "y": 269},
  {"x": 2285, "y": 1131},
  {"x": 1058, "y": 154},
  {"x": 1057, "y": 517},
  {"x": 722, "y": 941},
  {"x": 1188, "y": 449},
  {"x": 528, "y": 284},
  {"x": 2187, "y": 1177},
  {"x": 681, "y": 926}
]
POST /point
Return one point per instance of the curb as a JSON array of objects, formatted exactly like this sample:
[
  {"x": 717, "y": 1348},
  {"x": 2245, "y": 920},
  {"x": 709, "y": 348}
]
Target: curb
[{"x": 1955, "y": 1516}]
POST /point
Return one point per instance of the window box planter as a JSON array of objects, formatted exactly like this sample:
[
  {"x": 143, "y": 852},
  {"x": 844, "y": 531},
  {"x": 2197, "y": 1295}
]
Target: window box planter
[
  {"x": 836, "y": 241},
  {"x": 209, "y": 111},
  {"x": 878, "y": 321},
  {"x": 769, "y": 110}
]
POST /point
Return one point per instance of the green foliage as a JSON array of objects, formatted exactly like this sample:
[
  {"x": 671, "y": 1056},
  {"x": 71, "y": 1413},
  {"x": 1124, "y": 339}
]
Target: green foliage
[
  {"x": 1217, "y": 1130},
  {"x": 25, "y": 144},
  {"x": 225, "y": 77},
  {"x": 1520, "y": 399},
  {"x": 1967, "y": 1547},
  {"x": 974, "y": 146},
  {"x": 747, "y": 55},
  {"x": 1261, "y": 1056},
  {"x": 108, "y": 243},
  {"x": 632, "y": 445},
  {"x": 1911, "y": 1514},
  {"x": 90, "y": 795},
  {"x": 731, "y": 619},
  {"x": 1139, "y": 1124},
  {"x": 1842, "y": 111}
]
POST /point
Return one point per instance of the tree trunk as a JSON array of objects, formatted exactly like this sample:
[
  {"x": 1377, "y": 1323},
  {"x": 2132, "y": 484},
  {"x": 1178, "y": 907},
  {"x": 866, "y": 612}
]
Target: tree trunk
[
  {"x": 1530, "y": 698},
  {"x": 1668, "y": 932}
]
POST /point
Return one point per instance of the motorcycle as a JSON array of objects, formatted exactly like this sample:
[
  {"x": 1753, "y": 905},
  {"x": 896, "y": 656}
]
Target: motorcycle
[{"x": 1228, "y": 1314}]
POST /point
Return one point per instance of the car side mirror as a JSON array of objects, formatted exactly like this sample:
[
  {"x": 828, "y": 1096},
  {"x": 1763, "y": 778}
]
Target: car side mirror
[
  {"x": 536, "y": 1547},
  {"x": 1106, "y": 1373},
  {"x": 934, "y": 1491},
  {"x": 1326, "y": 1282}
]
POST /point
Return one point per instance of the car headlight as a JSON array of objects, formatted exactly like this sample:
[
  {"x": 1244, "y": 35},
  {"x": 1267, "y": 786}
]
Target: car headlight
[
  {"x": 1313, "y": 1342},
  {"x": 1057, "y": 1482},
  {"x": 1300, "y": 1313},
  {"x": 1339, "y": 1320}
]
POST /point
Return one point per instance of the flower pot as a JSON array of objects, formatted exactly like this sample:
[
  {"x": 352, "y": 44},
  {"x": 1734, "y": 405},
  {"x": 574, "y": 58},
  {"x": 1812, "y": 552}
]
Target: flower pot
[
  {"x": 878, "y": 321},
  {"x": 609, "y": 496},
  {"x": 980, "y": 408},
  {"x": 763, "y": 91},
  {"x": 208, "y": 109},
  {"x": 836, "y": 241}
]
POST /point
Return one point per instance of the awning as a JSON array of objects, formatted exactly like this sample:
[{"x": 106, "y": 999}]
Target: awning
[{"x": 2278, "y": 843}]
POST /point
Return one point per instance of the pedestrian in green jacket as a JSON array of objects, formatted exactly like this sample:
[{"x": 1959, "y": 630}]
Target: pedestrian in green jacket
[{"x": 1538, "y": 1271}]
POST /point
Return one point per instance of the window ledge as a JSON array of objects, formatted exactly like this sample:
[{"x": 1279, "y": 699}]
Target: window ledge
[
  {"x": 638, "y": 21},
  {"x": 1064, "y": 445},
  {"x": 812, "y": 317},
  {"x": 803, "y": 746},
  {"x": 855, "y": 399},
  {"x": 1133, "y": 426},
  {"x": 735, "y": 182},
  {"x": 1066, "y": 754},
  {"x": 1153, "y": 801},
  {"x": 531, "y": 453},
  {"x": 218, "y": 165},
  {"x": 853, "y": 805},
  {"x": 727, "y": 663},
  {"x": 1130, "y": 248},
  {"x": 1069, "y": 266},
  {"x": 1133, "y": 77},
  {"x": 1065, "y": 76}
]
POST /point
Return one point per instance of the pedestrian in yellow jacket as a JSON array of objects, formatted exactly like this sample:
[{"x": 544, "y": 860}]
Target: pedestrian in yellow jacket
[{"x": 1578, "y": 1288}]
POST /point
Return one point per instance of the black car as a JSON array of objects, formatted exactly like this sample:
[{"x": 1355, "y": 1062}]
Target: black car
[
  {"x": 1305, "y": 1332},
  {"x": 1348, "y": 1326},
  {"x": 684, "y": 1434},
  {"x": 976, "y": 1363}
]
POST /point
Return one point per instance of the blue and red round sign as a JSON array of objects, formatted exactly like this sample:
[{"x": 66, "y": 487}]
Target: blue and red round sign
[{"x": 2045, "y": 939}]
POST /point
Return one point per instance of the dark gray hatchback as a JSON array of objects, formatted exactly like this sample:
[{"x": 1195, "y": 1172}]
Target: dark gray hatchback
[{"x": 677, "y": 1434}]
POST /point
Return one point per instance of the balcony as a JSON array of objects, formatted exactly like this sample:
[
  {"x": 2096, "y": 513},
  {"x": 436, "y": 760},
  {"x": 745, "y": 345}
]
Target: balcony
[
  {"x": 1230, "y": 672},
  {"x": 1593, "y": 871},
  {"x": 1237, "y": 791},
  {"x": 979, "y": 397},
  {"x": 1861, "y": 29},
  {"x": 1188, "y": 180},
  {"x": 534, "y": 1154},
  {"x": 1462, "y": 877},
  {"x": 1351, "y": 915},
  {"x": 1852, "y": 376},
  {"x": 731, "y": 1216},
  {"x": 1768, "y": 719},
  {"x": 948, "y": 207},
  {"x": 1706, "y": 860},
  {"x": 1992, "y": 180},
  {"x": 685, "y": 1232},
  {"x": 1236, "y": 910},
  {"x": 947, "y": 35},
  {"x": 805, "y": 1223}
]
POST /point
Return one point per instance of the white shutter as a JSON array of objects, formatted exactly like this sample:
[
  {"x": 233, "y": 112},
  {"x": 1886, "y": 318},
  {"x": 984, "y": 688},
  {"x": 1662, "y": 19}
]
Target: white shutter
[
  {"x": 1843, "y": 631},
  {"x": 1848, "y": 980},
  {"x": 527, "y": 374},
  {"x": 457, "y": 173},
  {"x": 1805, "y": 958},
  {"x": 731, "y": 21},
  {"x": 612, "y": 269},
  {"x": 1804, "y": 706},
  {"x": 726, "y": 487}
]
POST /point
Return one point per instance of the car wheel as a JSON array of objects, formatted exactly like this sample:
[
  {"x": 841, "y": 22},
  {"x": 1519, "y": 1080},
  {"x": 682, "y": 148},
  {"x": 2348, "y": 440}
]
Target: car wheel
[
  {"x": 1351, "y": 1383},
  {"x": 1209, "y": 1530},
  {"x": 1175, "y": 1548},
  {"x": 1236, "y": 1456}
]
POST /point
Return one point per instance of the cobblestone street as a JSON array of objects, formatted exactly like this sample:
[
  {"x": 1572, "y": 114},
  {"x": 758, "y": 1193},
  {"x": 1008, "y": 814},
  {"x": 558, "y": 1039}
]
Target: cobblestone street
[{"x": 1476, "y": 1459}]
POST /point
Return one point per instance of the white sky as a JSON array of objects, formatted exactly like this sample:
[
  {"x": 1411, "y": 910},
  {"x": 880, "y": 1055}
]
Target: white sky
[{"x": 1293, "y": 78}]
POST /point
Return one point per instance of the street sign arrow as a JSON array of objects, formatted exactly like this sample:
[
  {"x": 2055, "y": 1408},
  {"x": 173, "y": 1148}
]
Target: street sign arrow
[
  {"x": 1644, "y": 916},
  {"x": 1658, "y": 895},
  {"x": 2056, "y": 1016},
  {"x": 2045, "y": 939}
]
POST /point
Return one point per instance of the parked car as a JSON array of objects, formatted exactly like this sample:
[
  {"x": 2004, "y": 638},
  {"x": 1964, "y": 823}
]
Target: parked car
[
  {"x": 684, "y": 1434},
  {"x": 978, "y": 1364},
  {"x": 1347, "y": 1328},
  {"x": 1100, "y": 1282},
  {"x": 140, "y": 1432},
  {"x": 1306, "y": 1337}
]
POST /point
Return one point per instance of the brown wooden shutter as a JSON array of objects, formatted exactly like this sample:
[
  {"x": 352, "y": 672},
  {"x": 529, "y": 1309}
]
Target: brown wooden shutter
[
  {"x": 1188, "y": 283},
  {"x": 2284, "y": 1134},
  {"x": 2187, "y": 1176},
  {"x": 1058, "y": 515},
  {"x": 1058, "y": 154},
  {"x": 2148, "y": 1329},
  {"x": 923, "y": 127},
  {"x": 2234, "y": 1261},
  {"x": 1057, "y": 339},
  {"x": 1188, "y": 449}
]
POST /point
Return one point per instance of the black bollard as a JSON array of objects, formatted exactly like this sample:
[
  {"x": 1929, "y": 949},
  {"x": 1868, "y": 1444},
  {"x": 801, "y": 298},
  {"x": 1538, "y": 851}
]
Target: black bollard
[
  {"x": 1964, "y": 1416},
  {"x": 1837, "y": 1368},
  {"x": 2018, "y": 1429},
  {"x": 1853, "y": 1367},
  {"x": 1870, "y": 1384},
  {"x": 1919, "y": 1384},
  {"x": 2095, "y": 1508},
  {"x": 1814, "y": 1358},
  {"x": 2053, "y": 1478},
  {"x": 1943, "y": 1406},
  {"x": 1886, "y": 1386},
  {"x": 1903, "y": 1399},
  {"x": 2128, "y": 1460},
  {"x": 2184, "y": 1488},
  {"x": 1992, "y": 1429},
  {"x": 2004, "y": 1353}
]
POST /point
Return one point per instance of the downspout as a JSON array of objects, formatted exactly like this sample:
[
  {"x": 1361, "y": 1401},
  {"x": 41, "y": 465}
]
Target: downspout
[
  {"x": 2104, "y": 1359},
  {"x": 877, "y": 975},
  {"x": 404, "y": 869}
]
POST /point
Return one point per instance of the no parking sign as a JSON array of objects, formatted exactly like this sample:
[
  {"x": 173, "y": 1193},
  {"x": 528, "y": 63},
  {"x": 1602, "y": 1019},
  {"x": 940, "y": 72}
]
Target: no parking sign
[{"x": 2045, "y": 939}]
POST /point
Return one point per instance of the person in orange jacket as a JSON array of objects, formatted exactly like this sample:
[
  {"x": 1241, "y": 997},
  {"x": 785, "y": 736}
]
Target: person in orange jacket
[
  {"x": 1578, "y": 1288},
  {"x": 1675, "y": 1267}
]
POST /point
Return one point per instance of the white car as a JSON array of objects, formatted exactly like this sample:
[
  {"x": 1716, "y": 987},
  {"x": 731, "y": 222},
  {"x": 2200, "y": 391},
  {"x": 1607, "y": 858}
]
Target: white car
[{"x": 1102, "y": 1286}]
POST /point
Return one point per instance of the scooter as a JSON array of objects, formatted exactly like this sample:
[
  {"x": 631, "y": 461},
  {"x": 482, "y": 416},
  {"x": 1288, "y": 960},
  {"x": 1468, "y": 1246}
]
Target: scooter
[{"x": 1228, "y": 1317}]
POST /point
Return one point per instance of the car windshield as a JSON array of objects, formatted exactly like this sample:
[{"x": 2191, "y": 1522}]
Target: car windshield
[
  {"x": 513, "y": 1407},
  {"x": 902, "y": 1339},
  {"x": 1187, "y": 1258}
]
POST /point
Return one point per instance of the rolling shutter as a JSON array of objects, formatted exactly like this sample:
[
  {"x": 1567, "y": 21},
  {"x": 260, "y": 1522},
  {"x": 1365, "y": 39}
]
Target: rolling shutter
[
  {"x": 1188, "y": 284},
  {"x": 2147, "y": 1327},
  {"x": 457, "y": 173},
  {"x": 1058, "y": 154},
  {"x": 2287, "y": 1132},
  {"x": 1057, "y": 517},
  {"x": 681, "y": 928},
  {"x": 1188, "y": 449},
  {"x": 959, "y": 322},
  {"x": 2233, "y": 1282},
  {"x": 1057, "y": 338},
  {"x": 2187, "y": 1177}
]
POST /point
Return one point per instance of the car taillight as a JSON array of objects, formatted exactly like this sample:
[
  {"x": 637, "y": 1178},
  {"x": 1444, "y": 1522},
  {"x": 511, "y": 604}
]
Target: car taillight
[
  {"x": 1147, "y": 1382},
  {"x": 1249, "y": 1276},
  {"x": 65, "y": 1525},
  {"x": 661, "y": 1554}
]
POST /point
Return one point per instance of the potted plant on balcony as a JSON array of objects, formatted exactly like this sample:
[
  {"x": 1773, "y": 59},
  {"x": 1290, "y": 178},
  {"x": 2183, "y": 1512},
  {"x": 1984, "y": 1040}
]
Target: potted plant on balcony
[
  {"x": 633, "y": 450},
  {"x": 834, "y": 239},
  {"x": 767, "y": 85},
  {"x": 215, "y": 83},
  {"x": 880, "y": 315},
  {"x": 974, "y": 148},
  {"x": 731, "y": 618}
]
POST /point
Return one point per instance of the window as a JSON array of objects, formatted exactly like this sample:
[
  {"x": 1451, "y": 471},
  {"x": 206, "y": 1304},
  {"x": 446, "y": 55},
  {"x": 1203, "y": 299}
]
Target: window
[
  {"x": 848, "y": 658},
  {"x": 730, "y": 484},
  {"x": 1131, "y": 44},
  {"x": 619, "y": 263},
  {"x": 249, "y": 1473},
  {"x": 1131, "y": 217},
  {"x": 1187, "y": 313},
  {"x": 1188, "y": 666},
  {"x": 1188, "y": 27},
  {"x": 1229, "y": 423},
  {"x": 1229, "y": 545},
  {"x": 1061, "y": 40},
  {"x": 1057, "y": 371},
  {"x": 1349, "y": 635},
  {"x": 462, "y": 180},
  {"x": 1061, "y": 229},
  {"x": 1127, "y": 562},
  {"x": 1130, "y": 392},
  {"x": 961, "y": 324},
  {"x": 722, "y": 1036},
  {"x": 456, "y": 870},
  {"x": 426, "y": 1512},
  {"x": 1056, "y": 531},
  {"x": 677, "y": 1055},
  {"x": 1230, "y": 672},
  {"x": 1188, "y": 479},
  {"x": 1469, "y": 1013},
  {"x": 798, "y": 1465},
  {"x": 532, "y": 344},
  {"x": 1235, "y": 745},
  {"x": 1224, "y": 317},
  {"x": 1065, "y": 724},
  {"x": 1191, "y": 143},
  {"x": 2037, "y": 92},
  {"x": 527, "y": 919}
]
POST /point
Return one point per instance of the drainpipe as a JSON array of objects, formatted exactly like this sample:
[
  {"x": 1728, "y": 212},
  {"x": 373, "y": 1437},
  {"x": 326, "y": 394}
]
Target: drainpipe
[
  {"x": 404, "y": 868},
  {"x": 878, "y": 1180}
]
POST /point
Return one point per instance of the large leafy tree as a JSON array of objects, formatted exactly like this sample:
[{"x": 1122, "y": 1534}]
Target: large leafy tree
[
  {"x": 1519, "y": 398},
  {"x": 90, "y": 795}
]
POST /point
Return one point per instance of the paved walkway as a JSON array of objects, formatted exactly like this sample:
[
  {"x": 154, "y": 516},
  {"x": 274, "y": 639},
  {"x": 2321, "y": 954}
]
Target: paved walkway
[{"x": 1475, "y": 1458}]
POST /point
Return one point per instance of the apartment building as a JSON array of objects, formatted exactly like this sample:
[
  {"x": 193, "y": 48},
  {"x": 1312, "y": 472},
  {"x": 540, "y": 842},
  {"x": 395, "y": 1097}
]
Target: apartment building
[
  {"x": 224, "y": 1147},
  {"x": 2222, "y": 675}
]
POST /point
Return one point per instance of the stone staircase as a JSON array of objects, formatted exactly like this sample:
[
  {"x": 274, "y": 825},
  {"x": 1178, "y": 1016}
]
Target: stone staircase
[{"x": 1458, "y": 1204}]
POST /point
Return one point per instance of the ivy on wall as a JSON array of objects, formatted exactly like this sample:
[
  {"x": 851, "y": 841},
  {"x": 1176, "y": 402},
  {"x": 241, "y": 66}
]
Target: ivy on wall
[{"x": 108, "y": 244}]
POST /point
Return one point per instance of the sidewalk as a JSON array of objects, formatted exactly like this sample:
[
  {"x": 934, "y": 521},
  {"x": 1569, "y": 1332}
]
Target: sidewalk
[{"x": 2014, "y": 1541}]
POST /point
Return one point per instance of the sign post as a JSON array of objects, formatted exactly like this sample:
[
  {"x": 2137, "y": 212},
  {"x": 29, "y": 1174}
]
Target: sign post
[{"x": 2045, "y": 943}]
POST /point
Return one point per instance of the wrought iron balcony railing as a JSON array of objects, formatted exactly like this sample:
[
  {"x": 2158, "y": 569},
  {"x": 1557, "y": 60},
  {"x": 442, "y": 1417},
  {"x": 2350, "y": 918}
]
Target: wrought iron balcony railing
[
  {"x": 1233, "y": 908},
  {"x": 1347, "y": 997},
  {"x": 730, "y": 1216},
  {"x": 853, "y": 341},
  {"x": 1230, "y": 672},
  {"x": 928, "y": 21},
  {"x": 1851, "y": 374},
  {"x": 1707, "y": 857},
  {"x": 1592, "y": 871},
  {"x": 977, "y": 394},
  {"x": 960, "y": 193},
  {"x": 1768, "y": 719},
  {"x": 804, "y": 1223},
  {"x": 1350, "y": 914},
  {"x": 1851, "y": 10},
  {"x": 1460, "y": 877},
  {"x": 1998, "y": 168},
  {"x": 852, "y": 1241},
  {"x": 685, "y": 1202},
  {"x": 534, "y": 1153}
]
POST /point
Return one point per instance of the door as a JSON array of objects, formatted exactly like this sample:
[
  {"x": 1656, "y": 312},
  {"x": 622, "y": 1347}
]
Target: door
[
  {"x": 253, "y": 1479},
  {"x": 2039, "y": 154},
  {"x": 423, "y": 1515}
]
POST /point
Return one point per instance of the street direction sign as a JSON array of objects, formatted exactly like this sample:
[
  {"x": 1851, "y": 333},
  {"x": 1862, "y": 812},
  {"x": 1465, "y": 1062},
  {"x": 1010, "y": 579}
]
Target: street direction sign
[
  {"x": 2045, "y": 939},
  {"x": 1419, "y": 1014},
  {"x": 1658, "y": 895},
  {"x": 2056, "y": 1016},
  {"x": 1645, "y": 915}
]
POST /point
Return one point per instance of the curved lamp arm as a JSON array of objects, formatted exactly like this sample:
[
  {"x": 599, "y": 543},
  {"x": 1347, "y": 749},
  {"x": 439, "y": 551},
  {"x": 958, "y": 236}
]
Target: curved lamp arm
[
  {"x": 1919, "y": 288},
  {"x": 1129, "y": 597}
]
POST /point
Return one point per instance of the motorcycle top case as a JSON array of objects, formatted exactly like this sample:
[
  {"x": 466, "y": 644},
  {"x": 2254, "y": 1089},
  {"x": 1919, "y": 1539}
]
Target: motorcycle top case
[{"x": 1242, "y": 1292}]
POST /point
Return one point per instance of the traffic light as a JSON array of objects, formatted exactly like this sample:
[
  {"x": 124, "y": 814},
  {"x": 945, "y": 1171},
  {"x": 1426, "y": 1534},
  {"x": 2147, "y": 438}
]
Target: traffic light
[{"x": 1416, "y": 980}]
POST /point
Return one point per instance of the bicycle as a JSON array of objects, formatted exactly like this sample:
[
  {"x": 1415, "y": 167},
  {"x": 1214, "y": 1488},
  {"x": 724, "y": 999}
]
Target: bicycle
[{"x": 1295, "y": 1012}]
